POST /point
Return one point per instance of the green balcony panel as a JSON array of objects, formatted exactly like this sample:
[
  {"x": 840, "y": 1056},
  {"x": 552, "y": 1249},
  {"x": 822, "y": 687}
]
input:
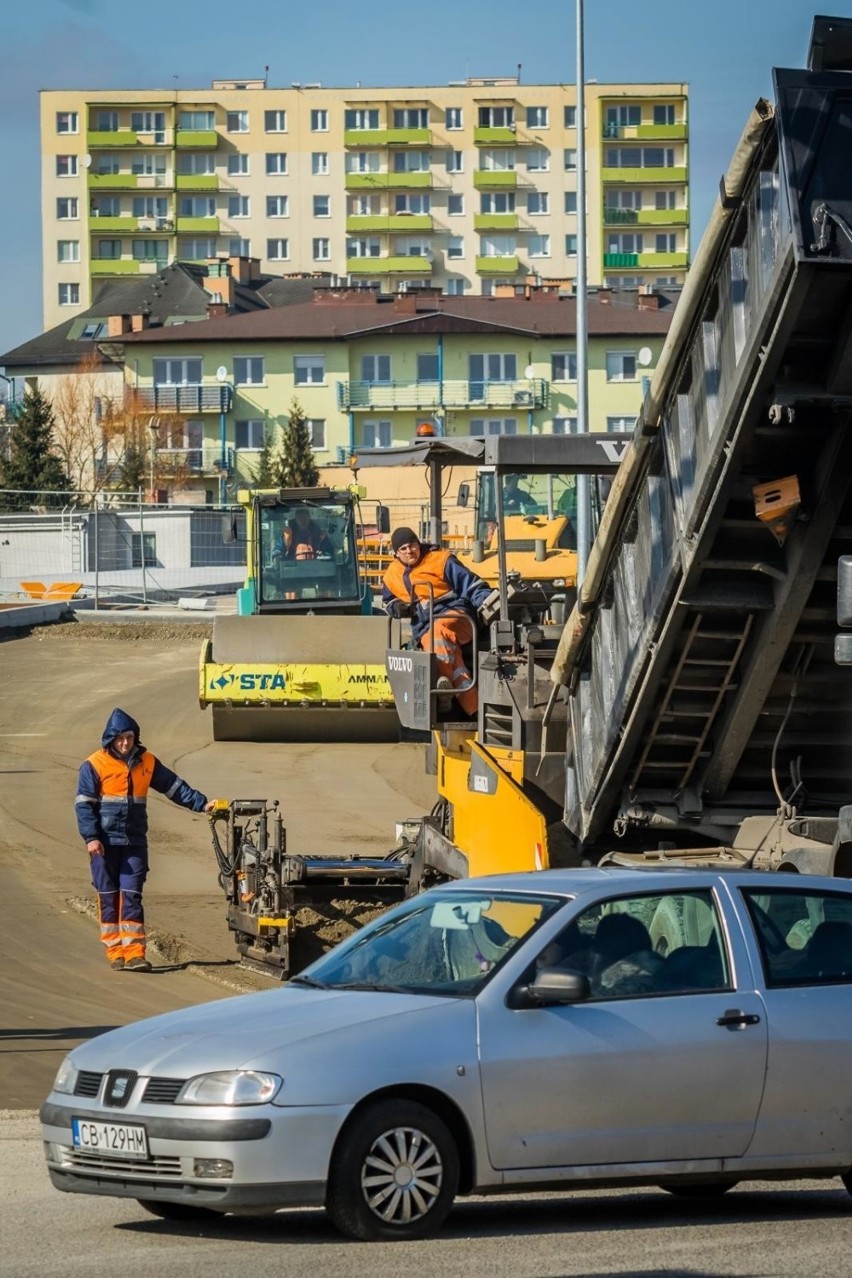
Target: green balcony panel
[
  {"x": 197, "y": 182},
  {"x": 669, "y": 176},
  {"x": 494, "y": 137},
  {"x": 389, "y": 222},
  {"x": 409, "y": 137},
  {"x": 497, "y": 265},
  {"x": 111, "y": 181},
  {"x": 365, "y": 137},
  {"x": 621, "y": 259},
  {"x": 117, "y": 137},
  {"x": 207, "y": 224},
  {"x": 389, "y": 265},
  {"x": 488, "y": 179},
  {"x": 661, "y": 132},
  {"x": 645, "y": 217},
  {"x": 196, "y": 139},
  {"x": 388, "y": 181},
  {"x": 114, "y": 266},
  {"x": 100, "y": 225},
  {"x": 495, "y": 221},
  {"x": 658, "y": 261}
]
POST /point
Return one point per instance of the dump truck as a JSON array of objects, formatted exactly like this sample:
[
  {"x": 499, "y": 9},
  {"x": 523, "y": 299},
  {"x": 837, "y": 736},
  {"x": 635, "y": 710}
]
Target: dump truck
[{"x": 303, "y": 659}]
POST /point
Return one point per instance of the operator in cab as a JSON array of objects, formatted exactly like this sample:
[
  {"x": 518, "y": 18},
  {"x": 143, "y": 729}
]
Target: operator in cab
[
  {"x": 419, "y": 573},
  {"x": 303, "y": 538}
]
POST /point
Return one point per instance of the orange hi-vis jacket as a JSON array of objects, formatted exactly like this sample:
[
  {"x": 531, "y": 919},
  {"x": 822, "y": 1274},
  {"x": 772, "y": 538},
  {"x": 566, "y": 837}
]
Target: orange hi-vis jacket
[{"x": 437, "y": 577}]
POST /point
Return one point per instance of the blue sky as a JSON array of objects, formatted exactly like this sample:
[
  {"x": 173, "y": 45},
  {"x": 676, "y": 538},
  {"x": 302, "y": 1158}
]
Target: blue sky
[{"x": 723, "y": 49}]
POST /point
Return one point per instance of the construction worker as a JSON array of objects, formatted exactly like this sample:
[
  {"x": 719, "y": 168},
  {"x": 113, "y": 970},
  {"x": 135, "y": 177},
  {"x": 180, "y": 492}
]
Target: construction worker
[
  {"x": 419, "y": 574},
  {"x": 303, "y": 538},
  {"x": 112, "y": 789}
]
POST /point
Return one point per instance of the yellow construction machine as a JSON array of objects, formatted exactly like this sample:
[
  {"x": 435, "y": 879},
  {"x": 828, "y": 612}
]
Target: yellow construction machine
[{"x": 304, "y": 658}]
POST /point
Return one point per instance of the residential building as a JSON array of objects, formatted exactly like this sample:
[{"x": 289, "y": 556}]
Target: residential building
[{"x": 462, "y": 187}]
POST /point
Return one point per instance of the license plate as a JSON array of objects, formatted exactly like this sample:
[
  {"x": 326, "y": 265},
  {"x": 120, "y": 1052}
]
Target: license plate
[{"x": 116, "y": 1140}]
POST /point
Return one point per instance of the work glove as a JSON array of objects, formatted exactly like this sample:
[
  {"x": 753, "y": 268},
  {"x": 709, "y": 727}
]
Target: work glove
[{"x": 399, "y": 608}]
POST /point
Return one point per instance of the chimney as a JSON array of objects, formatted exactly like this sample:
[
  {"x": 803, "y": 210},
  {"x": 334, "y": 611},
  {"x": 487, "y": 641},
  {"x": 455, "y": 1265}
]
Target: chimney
[
  {"x": 405, "y": 303},
  {"x": 648, "y": 301},
  {"x": 138, "y": 323},
  {"x": 217, "y": 309},
  {"x": 118, "y": 324},
  {"x": 219, "y": 281},
  {"x": 604, "y": 295},
  {"x": 245, "y": 269}
]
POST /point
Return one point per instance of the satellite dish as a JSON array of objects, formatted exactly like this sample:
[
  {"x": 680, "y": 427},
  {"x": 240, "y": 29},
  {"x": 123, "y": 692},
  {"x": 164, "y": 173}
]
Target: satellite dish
[
  {"x": 221, "y": 373},
  {"x": 529, "y": 371},
  {"x": 645, "y": 356},
  {"x": 87, "y": 161}
]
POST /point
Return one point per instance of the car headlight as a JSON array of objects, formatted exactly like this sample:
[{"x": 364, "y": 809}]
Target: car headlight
[
  {"x": 66, "y": 1077},
  {"x": 230, "y": 1087}
]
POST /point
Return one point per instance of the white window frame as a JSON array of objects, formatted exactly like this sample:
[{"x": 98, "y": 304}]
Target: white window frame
[
  {"x": 538, "y": 117},
  {"x": 278, "y": 249},
  {"x": 238, "y": 164},
  {"x": 537, "y": 160},
  {"x": 249, "y": 370},
  {"x": 455, "y": 162},
  {"x": 73, "y": 211},
  {"x": 305, "y": 368},
  {"x": 239, "y": 246},
  {"x": 317, "y": 431},
  {"x": 69, "y": 294},
  {"x": 456, "y": 286},
  {"x": 459, "y": 198},
  {"x": 377, "y": 369},
  {"x": 71, "y": 253},
  {"x": 239, "y": 206},
  {"x": 319, "y": 163},
  {"x": 319, "y": 120},
  {"x": 321, "y": 249},
  {"x": 254, "y": 429},
  {"x": 236, "y": 122},
  {"x": 362, "y": 119},
  {"x": 183, "y": 364},
  {"x": 276, "y": 163},
  {"x": 571, "y": 244},
  {"x": 563, "y": 366},
  {"x": 615, "y": 362},
  {"x": 378, "y": 434},
  {"x": 570, "y": 159},
  {"x": 71, "y": 119},
  {"x": 455, "y": 248},
  {"x": 70, "y": 164},
  {"x": 327, "y": 199},
  {"x": 275, "y": 121},
  {"x": 621, "y": 423},
  {"x": 569, "y": 118},
  {"x": 494, "y": 426},
  {"x": 542, "y": 198},
  {"x": 538, "y": 246},
  {"x": 564, "y": 425},
  {"x": 278, "y": 206},
  {"x": 454, "y": 118}
]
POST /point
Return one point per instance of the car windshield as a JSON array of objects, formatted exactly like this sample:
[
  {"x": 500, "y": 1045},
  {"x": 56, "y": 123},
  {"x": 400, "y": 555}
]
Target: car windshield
[
  {"x": 307, "y": 552},
  {"x": 444, "y": 942}
]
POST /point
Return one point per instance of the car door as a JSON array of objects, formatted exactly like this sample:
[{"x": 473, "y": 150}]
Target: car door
[{"x": 660, "y": 1063}]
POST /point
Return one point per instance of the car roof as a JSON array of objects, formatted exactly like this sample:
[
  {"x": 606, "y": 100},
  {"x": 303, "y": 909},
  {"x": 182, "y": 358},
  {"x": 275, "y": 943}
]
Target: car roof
[{"x": 589, "y": 880}]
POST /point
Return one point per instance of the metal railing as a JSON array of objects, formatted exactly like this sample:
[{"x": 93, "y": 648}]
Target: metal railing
[
  {"x": 531, "y": 392},
  {"x": 191, "y": 398}
]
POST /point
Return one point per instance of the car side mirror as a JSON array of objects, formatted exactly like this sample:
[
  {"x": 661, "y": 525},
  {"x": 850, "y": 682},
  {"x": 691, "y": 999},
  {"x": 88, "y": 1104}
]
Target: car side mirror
[
  {"x": 382, "y": 519},
  {"x": 463, "y": 498},
  {"x": 553, "y": 985},
  {"x": 229, "y": 530}
]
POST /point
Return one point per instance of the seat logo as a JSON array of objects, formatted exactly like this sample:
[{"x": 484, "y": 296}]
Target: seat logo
[{"x": 119, "y": 1086}]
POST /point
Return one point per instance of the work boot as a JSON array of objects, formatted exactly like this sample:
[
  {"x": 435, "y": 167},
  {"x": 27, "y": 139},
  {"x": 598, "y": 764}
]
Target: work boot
[
  {"x": 137, "y": 965},
  {"x": 445, "y": 694},
  {"x": 117, "y": 964}
]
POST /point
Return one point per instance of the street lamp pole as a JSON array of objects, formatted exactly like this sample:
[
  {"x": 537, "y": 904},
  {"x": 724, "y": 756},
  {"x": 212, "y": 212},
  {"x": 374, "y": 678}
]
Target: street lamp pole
[
  {"x": 153, "y": 423},
  {"x": 584, "y": 523}
]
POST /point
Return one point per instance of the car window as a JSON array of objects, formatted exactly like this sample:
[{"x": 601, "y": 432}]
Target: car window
[
  {"x": 804, "y": 936},
  {"x": 653, "y": 944}
]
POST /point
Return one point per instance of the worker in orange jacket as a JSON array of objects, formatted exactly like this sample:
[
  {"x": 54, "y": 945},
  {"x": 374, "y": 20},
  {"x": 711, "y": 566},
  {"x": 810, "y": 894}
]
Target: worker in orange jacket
[
  {"x": 112, "y": 789},
  {"x": 421, "y": 575}
]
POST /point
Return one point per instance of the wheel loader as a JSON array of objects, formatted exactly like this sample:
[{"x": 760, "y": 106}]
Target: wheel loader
[{"x": 303, "y": 659}]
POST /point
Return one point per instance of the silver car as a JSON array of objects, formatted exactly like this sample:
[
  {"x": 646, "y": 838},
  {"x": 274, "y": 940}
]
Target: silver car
[{"x": 685, "y": 1029}]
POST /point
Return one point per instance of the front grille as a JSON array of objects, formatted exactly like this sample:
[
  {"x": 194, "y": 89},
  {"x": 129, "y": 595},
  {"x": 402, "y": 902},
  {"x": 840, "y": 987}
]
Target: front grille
[
  {"x": 88, "y": 1083},
  {"x": 165, "y": 1166},
  {"x": 162, "y": 1091}
]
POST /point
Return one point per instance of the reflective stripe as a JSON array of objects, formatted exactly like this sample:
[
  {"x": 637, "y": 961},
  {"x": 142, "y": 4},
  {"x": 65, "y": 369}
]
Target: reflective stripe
[
  {"x": 86, "y": 798},
  {"x": 173, "y": 788}
]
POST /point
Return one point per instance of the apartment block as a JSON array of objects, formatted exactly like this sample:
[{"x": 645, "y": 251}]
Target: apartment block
[{"x": 461, "y": 187}]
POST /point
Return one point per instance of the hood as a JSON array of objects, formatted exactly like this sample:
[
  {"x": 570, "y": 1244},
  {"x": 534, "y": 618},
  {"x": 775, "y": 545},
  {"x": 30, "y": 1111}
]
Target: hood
[{"x": 119, "y": 721}]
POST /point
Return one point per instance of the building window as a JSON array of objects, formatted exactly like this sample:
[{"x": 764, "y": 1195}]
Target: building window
[
  {"x": 570, "y": 117},
  {"x": 238, "y": 166},
  {"x": 363, "y": 162},
  {"x": 665, "y": 243},
  {"x": 537, "y": 117},
  {"x": 275, "y": 121},
  {"x": 143, "y": 550},
  {"x": 571, "y": 245},
  {"x": 494, "y": 426},
  {"x": 455, "y": 246},
  {"x": 321, "y": 250},
  {"x": 108, "y": 250},
  {"x": 69, "y": 294},
  {"x": 319, "y": 163},
  {"x": 639, "y": 157},
  {"x": 664, "y": 200},
  {"x": 178, "y": 372},
  {"x": 497, "y": 202},
  {"x": 149, "y": 122},
  {"x": 277, "y": 206},
  {"x": 309, "y": 370},
  {"x": 238, "y": 206},
  {"x": 496, "y": 117},
  {"x": 108, "y": 164},
  {"x": 237, "y": 122},
  {"x": 538, "y": 160},
  {"x": 490, "y": 368},
  {"x": 319, "y": 121},
  {"x": 278, "y": 250},
  {"x": 322, "y": 206},
  {"x": 456, "y": 286},
  {"x": 413, "y": 202},
  {"x": 625, "y": 200},
  {"x": 196, "y": 163},
  {"x": 563, "y": 366},
  {"x": 570, "y": 201},
  {"x": 411, "y": 118},
  {"x": 499, "y": 245},
  {"x": 248, "y": 370},
  {"x": 107, "y": 206},
  {"x": 362, "y": 119},
  {"x": 539, "y": 246},
  {"x": 238, "y": 247},
  {"x": 68, "y": 251},
  {"x": 250, "y": 433},
  {"x": 67, "y": 122},
  {"x": 412, "y": 246},
  {"x": 375, "y": 368},
  {"x": 197, "y": 121},
  {"x": 155, "y": 166},
  {"x": 625, "y": 424},
  {"x": 564, "y": 426},
  {"x": 316, "y": 428},
  {"x": 276, "y": 163},
  {"x": 377, "y": 434},
  {"x": 538, "y": 202},
  {"x": 411, "y": 162},
  {"x": 625, "y": 242},
  {"x": 369, "y": 247},
  {"x": 66, "y": 166},
  {"x": 664, "y": 113},
  {"x": 150, "y": 250},
  {"x": 197, "y": 206},
  {"x": 501, "y": 161},
  {"x": 620, "y": 366},
  {"x": 455, "y": 161},
  {"x": 363, "y": 205},
  {"x": 192, "y": 248},
  {"x": 570, "y": 159},
  {"x": 454, "y": 118},
  {"x": 455, "y": 205},
  {"x": 619, "y": 116},
  {"x": 67, "y": 209},
  {"x": 155, "y": 208}
]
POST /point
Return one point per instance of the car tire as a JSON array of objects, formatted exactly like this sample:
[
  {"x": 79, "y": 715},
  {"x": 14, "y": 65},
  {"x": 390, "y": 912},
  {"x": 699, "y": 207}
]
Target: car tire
[
  {"x": 394, "y": 1173},
  {"x": 177, "y": 1211},
  {"x": 700, "y": 1188}
]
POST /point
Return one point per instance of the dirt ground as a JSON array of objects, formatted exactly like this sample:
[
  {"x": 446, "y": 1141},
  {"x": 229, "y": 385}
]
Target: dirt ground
[{"x": 60, "y": 683}]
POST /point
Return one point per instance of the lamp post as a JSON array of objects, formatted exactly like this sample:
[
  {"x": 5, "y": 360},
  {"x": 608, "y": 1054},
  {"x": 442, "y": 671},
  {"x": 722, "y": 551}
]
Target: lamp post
[
  {"x": 584, "y": 529},
  {"x": 153, "y": 426}
]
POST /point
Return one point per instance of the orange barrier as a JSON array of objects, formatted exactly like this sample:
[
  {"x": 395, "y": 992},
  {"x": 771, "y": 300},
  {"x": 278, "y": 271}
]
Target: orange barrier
[{"x": 56, "y": 592}]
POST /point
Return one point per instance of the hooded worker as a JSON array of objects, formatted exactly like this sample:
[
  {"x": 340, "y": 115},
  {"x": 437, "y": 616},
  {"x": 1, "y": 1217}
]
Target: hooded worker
[
  {"x": 422, "y": 579},
  {"x": 112, "y": 818}
]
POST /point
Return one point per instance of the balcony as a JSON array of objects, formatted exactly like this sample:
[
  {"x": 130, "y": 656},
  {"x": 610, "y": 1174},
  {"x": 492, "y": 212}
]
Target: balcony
[
  {"x": 389, "y": 265},
  {"x": 388, "y": 181},
  {"x": 645, "y": 217},
  {"x": 675, "y": 174},
  {"x": 647, "y": 132},
  {"x": 495, "y": 222},
  {"x": 489, "y": 179},
  {"x": 96, "y": 139},
  {"x": 389, "y": 222},
  {"x": 387, "y": 137},
  {"x": 155, "y": 225},
  {"x": 207, "y": 225},
  {"x": 111, "y": 181},
  {"x": 196, "y": 139},
  {"x": 192, "y": 398},
  {"x": 367, "y": 396},
  {"x": 207, "y": 460},
  {"x": 504, "y": 136},
  {"x": 497, "y": 265},
  {"x": 662, "y": 261},
  {"x": 197, "y": 182},
  {"x": 100, "y": 225},
  {"x": 115, "y": 266}
]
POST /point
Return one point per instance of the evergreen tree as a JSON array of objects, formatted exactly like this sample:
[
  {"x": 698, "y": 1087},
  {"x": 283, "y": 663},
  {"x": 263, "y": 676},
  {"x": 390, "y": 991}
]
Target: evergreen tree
[
  {"x": 296, "y": 466},
  {"x": 265, "y": 472},
  {"x": 32, "y": 470}
]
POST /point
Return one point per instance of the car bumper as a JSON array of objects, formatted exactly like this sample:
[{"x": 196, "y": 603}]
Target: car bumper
[{"x": 279, "y": 1157}]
